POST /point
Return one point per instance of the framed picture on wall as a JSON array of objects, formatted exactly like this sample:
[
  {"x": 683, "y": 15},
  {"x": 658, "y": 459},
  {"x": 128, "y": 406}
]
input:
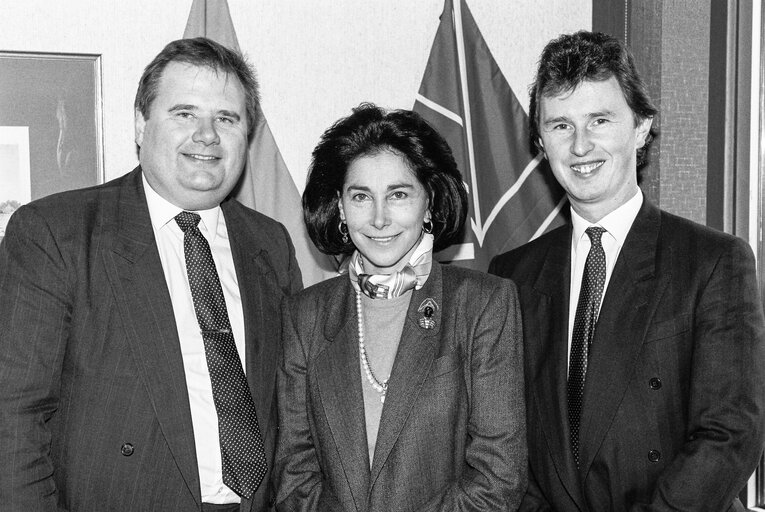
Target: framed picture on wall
[{"x": 50, "y": 126}]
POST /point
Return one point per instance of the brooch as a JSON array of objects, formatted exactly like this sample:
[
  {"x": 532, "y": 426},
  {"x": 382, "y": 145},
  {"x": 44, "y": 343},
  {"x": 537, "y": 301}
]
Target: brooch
[{"x": 427, "y": 308}]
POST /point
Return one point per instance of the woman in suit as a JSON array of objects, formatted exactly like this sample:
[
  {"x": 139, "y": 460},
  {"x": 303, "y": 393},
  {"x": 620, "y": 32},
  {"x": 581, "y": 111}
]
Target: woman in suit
[{"x": 401, "y": 386}]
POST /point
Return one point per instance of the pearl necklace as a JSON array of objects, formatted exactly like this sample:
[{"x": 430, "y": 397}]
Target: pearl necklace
[{"x": 380, "y": 387}]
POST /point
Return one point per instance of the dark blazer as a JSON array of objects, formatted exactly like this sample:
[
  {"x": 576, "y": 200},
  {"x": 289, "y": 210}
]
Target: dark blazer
[
  {"x": 94, "y": 410},
  {"x": 452, "y": 432},
  {"x": 674, "y": 397}
]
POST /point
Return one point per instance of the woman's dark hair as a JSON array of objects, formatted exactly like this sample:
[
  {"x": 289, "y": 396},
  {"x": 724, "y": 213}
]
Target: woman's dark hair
[
  {"x": 203, "y": 52},
  {"x": 368, "y": 131},
  {"x": 572, "y": 59}
]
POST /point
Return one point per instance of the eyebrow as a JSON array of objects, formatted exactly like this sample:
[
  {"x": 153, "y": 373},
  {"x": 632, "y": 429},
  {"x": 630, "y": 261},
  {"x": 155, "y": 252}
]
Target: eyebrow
[
  {"x": 178, "y": 107},
  {"x": 555, "y": 120},
  {"x": 591, "y": 115},
  {"x": 390, "y": 187}
]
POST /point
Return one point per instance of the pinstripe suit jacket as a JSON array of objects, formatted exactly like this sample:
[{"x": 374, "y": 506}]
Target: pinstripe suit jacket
[
  {"x": 452, "y": 432},
  {"x": 674, "y": 401},
  {"x": 94, "y": 410}
]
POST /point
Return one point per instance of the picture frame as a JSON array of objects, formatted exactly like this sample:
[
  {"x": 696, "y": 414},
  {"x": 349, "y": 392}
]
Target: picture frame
[{"x": 51, "y": 126}]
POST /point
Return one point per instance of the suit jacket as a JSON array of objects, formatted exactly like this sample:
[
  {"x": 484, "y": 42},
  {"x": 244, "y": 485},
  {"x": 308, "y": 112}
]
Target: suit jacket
[
  {"x": 452, "y": 432},
  {"x": 94, "y": 409},
  {"x": 673, "y": 406}
]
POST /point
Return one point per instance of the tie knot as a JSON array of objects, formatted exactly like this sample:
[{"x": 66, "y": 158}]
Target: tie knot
[
  {"x": 595, "y": 232},
  {"x": 187, "y": 220}
]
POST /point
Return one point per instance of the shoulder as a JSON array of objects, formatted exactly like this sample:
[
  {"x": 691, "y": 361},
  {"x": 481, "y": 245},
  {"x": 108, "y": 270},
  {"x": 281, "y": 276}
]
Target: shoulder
[
  {"x": 320, "y": 295},
  {"x": 468, "y": 286},
  {"x": 523, "y": 260},
  {"x": 687, "y": 238},
  {"x": 81, "y": 198},
  {"x": 81, "y": 209},
  {"x": 263, "y": 223}
]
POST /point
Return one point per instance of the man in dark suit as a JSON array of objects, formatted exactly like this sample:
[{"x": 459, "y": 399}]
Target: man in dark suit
[
  {"x": 643, "y": 331},
  {"x": 139, "y": 320}
]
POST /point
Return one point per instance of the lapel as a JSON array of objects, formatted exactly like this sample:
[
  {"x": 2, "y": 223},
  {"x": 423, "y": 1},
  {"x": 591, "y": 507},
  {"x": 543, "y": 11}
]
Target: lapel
[
  {"x": 260, "y": 303},
  {"x": 547, "y": 354},
  {"x": 135, "y": 274},
  {"x": 631, "y": 298},
  {"x": 416, "y": 353},
  {"x": 338, "y": 376}
]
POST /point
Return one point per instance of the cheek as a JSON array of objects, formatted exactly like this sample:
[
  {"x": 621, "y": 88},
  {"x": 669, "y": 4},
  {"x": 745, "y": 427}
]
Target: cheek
[{"x": 355, "y": 218}]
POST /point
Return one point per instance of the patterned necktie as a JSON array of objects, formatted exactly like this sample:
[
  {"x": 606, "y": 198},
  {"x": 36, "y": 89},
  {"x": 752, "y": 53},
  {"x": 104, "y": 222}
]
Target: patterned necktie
[
  {"x": 587, "y": 309},
  {"x": 244, "y": 459}
]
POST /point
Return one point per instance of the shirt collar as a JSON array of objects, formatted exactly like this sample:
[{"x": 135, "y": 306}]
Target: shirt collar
[
  {"x": 162, "y": 212},
  {"x": 617, "y": 223}
]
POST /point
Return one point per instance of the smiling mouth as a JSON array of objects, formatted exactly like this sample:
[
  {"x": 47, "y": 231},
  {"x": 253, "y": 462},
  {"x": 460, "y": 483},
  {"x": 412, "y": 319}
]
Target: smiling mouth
[
  {"x": 587, "y": 168},
  {"x": 202, "y": 158},
  {"x": 382, "y": 239}
]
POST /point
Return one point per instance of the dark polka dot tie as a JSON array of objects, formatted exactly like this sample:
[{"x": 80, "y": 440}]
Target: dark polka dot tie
[
  {"x": 244, "y": 460},
  {"x": 593, "y": 280}
]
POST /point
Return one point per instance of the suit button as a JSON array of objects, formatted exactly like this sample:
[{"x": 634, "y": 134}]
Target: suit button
[
  {"x": 654, "y": 455},
  {"x": 127, "y": 449},
  {"x": 655, "y": 383}
]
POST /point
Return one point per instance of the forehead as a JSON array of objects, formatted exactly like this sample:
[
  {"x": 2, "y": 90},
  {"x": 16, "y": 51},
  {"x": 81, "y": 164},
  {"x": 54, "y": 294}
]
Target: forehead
[
  {"x": 587, "y": 97},
  {"x": 380, "y": 170},
  {"x": 180, "y": 79}
]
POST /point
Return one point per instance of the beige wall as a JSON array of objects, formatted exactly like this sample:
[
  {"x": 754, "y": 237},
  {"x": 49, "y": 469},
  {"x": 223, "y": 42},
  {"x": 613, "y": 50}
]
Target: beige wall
[{"x": 315, "y": 59}]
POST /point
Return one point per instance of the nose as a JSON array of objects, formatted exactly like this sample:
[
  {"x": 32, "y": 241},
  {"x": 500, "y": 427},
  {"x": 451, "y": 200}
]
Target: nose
[
  {"x": 581, "y": 143},
  {"x": 205, "y": 132},
  {"x": 380, "y": 219}
]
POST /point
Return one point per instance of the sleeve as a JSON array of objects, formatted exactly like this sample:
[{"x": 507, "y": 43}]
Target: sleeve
[
  {"x": 34, "y": 326},
  {"x": 297, "y": 472},
  {"x": 494, "y": 475},
  {"x": 534, "y": 500},
  {"x": 726, "y": 419}
]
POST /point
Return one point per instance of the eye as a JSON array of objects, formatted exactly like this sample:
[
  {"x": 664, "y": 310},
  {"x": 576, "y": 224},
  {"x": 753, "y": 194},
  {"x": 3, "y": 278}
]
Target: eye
[
  {"x": 225, "y": 120},
  {"x": 560, "y": 127},
  {"x": 600, "y": 121},
  {"x": 184, "y": 114},
  {"x": 399, "y": 194},
  {"x": 359, "y": 196}
]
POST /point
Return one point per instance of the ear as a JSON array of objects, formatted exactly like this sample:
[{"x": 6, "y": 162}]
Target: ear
[
  {"x": 641, "y": 131},
  {"x": 541, "y": 146},
  {"x": 342, "y": 212},
  {"x": 427, "y": 216},
  {"x": 140, "y": 126}
]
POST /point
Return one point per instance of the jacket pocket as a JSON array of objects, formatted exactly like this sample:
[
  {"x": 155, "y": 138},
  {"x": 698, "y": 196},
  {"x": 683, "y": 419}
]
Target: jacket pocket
[
  {"x": 445, "y": 364},
  {"x": 668, "y": 328}
]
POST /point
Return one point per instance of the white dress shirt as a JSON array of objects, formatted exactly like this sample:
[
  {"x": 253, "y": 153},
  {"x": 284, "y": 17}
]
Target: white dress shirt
[
  {"x": 204, "y": 417},
  {"x": 617, "y": 224}
]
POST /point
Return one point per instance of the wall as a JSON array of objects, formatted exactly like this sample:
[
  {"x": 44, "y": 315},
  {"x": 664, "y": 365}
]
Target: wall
[
  {"x": 684, "y": 107},
  {"x": 315, "y": 60}
]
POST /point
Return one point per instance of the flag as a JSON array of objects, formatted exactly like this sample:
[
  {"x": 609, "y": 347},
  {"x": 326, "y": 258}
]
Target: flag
[
  {"x": 266, "y": 185},
  {"x": 512, "y": 193}
]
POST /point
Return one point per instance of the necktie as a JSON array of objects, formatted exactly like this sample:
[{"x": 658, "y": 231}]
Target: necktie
[
  {"x": 586, "y": 316},
  {"x": 244, "y": 460}
]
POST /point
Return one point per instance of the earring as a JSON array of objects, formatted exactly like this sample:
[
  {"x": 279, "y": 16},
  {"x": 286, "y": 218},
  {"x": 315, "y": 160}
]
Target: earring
[
  {"x": 427, "y": 226},
  {"x": 343, "y": 229}
]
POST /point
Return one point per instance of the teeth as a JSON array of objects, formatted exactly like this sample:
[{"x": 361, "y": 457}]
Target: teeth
[
  {"x": 206, "y": 158},
  {"x": 381, "y": 239},
  {"x": 586, "y": 168}
]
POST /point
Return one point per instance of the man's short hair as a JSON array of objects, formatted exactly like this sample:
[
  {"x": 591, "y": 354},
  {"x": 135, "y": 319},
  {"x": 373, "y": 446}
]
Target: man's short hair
[
  {"x": 202, "y": 52},
  {"x": 583, "y": 56}
]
